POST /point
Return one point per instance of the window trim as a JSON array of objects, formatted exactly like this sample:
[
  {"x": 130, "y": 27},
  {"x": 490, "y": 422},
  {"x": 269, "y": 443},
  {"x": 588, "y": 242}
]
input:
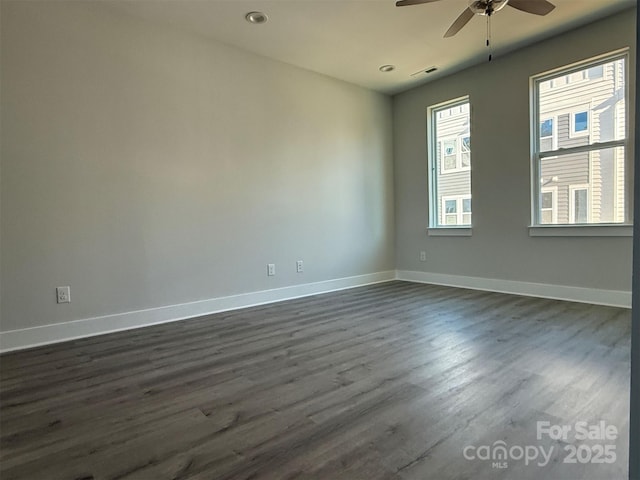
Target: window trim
[
  {"x": 582, "y": 230},
  {"x": 536, "y": 156},
  {"x": 451, "y": 231},
  {"x": 432, "y": 161}
]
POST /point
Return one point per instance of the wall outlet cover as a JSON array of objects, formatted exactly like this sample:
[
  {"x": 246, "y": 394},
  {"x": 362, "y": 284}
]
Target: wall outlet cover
[{"x": 63, "y": 294}]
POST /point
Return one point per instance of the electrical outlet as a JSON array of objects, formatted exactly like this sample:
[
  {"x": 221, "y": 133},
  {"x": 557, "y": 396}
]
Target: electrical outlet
[
  {"x": 271, "y": 269},
  {"x": 423, "y": 256},
  {"x": 63, "y": 294},
  {"x": 299, "y": 266}
]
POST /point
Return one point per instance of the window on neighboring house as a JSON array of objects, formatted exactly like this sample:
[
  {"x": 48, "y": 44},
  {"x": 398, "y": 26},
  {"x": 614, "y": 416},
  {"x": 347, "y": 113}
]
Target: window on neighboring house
[
  {"x": 548, "y": 205},
  {"x": 456, "y": 154},
  {"x": 580, "y": 144},
  {"x": 579, "y": 204},
  {"x": 465, "y": 152},
  {"x": 595, "y": 72},
  {"x": 580, "y": 123},
  {"x": 456, "y": 210},
  {"x": 449, "y": 153},
  {"x": 564, "y": 80},
  {"x": 466, "y": 210},
  {"x": 449, "y": 142},
  {"x": 547, "y": 135}
]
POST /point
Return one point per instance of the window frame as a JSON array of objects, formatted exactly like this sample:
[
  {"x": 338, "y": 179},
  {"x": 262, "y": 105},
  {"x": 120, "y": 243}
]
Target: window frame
[
  {"x": 537, "y": 228},
  {"x": 433, "y": 115}
]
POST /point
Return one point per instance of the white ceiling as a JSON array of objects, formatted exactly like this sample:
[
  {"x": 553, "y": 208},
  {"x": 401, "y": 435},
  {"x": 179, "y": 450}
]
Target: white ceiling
[{"x": 350, "y": 39}]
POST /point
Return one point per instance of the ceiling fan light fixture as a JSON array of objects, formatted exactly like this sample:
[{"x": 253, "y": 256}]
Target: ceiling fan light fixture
[
  {"x": 256, "y": 17},
  {"x": 486, "y": 7}
]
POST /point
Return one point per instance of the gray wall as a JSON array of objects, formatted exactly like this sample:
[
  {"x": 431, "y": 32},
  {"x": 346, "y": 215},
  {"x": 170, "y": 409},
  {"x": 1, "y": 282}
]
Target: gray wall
[
  {"x": 148, "y": 167},
  {"x": 500, "y": 247}
]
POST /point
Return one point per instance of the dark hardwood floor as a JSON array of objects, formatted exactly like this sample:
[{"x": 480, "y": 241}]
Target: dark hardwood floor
[{"x": 389, "y": 381}]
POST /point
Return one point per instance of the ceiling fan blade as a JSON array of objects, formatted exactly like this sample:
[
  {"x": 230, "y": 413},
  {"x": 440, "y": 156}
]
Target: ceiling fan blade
[
  {"x": 537, "y": 7},
  {"x": 404, "y": 3},
  {"x": 460, "y": 22}
]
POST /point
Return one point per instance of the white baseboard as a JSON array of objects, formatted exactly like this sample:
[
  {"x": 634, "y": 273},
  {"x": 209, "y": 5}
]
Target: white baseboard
[
  {"x": 612, "y": 298},
  {"x": 60, "y": 332}
]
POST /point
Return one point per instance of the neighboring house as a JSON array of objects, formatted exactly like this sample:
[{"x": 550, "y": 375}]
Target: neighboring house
[{"x": 583, "y": 108}]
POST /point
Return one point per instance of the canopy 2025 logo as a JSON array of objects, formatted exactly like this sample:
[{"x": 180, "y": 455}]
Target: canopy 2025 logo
[{"x": 602, "y": 451}]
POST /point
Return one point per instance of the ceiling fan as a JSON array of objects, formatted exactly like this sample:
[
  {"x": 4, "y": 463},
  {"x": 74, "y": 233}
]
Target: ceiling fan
[{"x": 487, "y": 7}]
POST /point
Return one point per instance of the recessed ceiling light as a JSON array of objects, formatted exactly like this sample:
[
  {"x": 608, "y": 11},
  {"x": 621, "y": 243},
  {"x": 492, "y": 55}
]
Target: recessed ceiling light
[
  {"x": 387, "y": 68},
  {"x": 256, "y": 17}
]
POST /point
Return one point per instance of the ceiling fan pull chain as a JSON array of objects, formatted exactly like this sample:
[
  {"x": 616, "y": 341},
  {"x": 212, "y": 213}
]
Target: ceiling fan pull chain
[{"x": 489, "y": 35}]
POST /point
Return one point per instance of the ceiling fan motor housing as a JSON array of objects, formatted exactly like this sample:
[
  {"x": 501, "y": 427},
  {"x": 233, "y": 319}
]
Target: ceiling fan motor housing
[{"x": 486, "y": 7}]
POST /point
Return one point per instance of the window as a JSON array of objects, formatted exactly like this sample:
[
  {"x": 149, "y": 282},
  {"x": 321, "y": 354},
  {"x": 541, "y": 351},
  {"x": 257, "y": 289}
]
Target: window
[
  {"x": 466, "y": 210},
  {"x": 580, "y": 122},
  {"x": 456, "y": 154},
  {"x": 579, "y": 202},
  {"x": 450, "y": 164},
  {"x": 449, "y": 149},
  {"x": 579, "y": 144},
  {"x": 564, "y": 80},
  {"x": 465, "y": 152},
  {"x": 547, "y": 134},
  {"x": 546, "y": 128},
  {"x": 456, "y": 210},
  {"x": 549, "y": 205}
]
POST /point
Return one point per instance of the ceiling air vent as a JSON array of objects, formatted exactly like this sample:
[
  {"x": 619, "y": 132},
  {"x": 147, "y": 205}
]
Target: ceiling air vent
[{"x": 424, "y": 71}]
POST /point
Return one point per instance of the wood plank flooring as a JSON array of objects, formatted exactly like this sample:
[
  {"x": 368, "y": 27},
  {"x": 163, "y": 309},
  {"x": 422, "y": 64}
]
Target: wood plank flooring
[{"x": 388, "y": 381}]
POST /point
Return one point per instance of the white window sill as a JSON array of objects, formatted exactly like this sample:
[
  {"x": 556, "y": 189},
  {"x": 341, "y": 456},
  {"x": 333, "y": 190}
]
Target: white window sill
[
  {"x": 602, "y": 230},
  {"x": 449, "y": 232}
]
